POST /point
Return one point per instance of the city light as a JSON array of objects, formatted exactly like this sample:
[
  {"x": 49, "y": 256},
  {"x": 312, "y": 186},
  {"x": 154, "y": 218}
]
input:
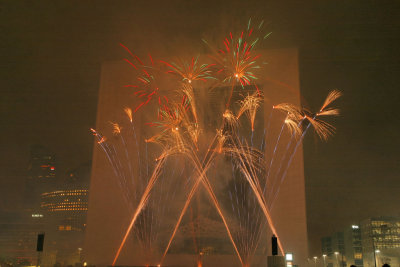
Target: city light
[
  {"x": 289, "y": 256},
  {"x": 289, "y": 259}
]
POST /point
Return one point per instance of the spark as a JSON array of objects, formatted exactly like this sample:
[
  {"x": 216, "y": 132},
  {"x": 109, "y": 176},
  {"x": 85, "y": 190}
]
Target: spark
[
  {"x": 323, "y": 129},
  {"x": 332, "y": 96},
  {"x": 116, "y": 128},
  {"x": 249, "y": 105},
  {"x": 293, "y": 118},
  {"x": 191, "y": 71},
  {"x": 128, "y": 112},
  {"x": 179, "y": 128},
  {"x": 236, "y": 60}
]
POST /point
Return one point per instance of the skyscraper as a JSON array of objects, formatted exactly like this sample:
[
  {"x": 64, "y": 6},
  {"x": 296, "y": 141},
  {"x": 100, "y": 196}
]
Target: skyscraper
[
  {"x": 20, "y": 227},
  {"x": 41, "y": 177},
  {"x": 65, "y": 209}
]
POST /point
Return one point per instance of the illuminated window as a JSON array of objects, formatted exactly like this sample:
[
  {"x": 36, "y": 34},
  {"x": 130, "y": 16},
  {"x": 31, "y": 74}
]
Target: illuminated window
[{"x": 358, "y": 256}]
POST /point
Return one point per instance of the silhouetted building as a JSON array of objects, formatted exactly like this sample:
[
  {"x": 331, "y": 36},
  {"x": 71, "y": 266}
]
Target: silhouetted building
[
  {"x": 41, "y": 177},
  {"x": 19, "y": 228},
  {"x": 353, "y": 245},
  {"x": 334, "y": 247},
  {"x": 343, "y": 248},
  {"x": 18, "y": 235},
  {"x": 65, "y": 210}
]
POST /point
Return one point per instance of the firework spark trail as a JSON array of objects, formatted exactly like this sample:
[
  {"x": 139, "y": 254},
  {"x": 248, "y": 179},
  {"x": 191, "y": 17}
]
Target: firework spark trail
[
  {"x": 115, "y": 162},
  {"x": 196, "y": 248},
  {"x": 143, "y": 201},
  {"x": 293, "y": 121},
  {"x": 165, "y": 208},
  {"x": 119, "y": 166},
  {"x": 187, "y": 202},
  {"x": 191, "y": 72},
  {"x": 248, "y": 170},
  {"x": 262, "y": 202},
  {"x": 250, "y": 217},
  {"x": 249, "y": 106},
  {"x": 148, "y": 221},
  {"x": 236, "y": 60},
  {"x": 256, "y": 236},
  {"x": 103, "y": 144},
  {"x": 202, "y": 178},
  {"x": 148, "y": 89},
  {"x": 201, "y": 169},
  {"x": 323, "y": 132},
  {"x": 236, "y": 63},
  {"x": 128, "y": 112},
  {"x": 217, "y": 205},
  {"x": 266, "y": 130},
  {"x": 127, "y": 158},
  {"x": 117, "y": 131},
  {"x": 287, "y": 166},
  {"x": 293, "y": 136},
  {"x": 273, "y": 155}
]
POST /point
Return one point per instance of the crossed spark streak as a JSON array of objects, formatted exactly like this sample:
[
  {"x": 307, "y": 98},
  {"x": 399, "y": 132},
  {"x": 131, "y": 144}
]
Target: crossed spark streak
[
  {"x": 101, "y": 140},
  {"x": 246, "y": 168},
  {"x": 249, "y": 172},
  {"x": 271, "y": 200},
  {"x": 288, "y": 164},
  {"x": 143, "y": 201},
  {"x": 202, "y": 177}
]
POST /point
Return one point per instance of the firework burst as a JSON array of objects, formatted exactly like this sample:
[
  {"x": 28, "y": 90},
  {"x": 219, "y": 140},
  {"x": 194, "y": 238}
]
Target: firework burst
[{"x": 254, "y": 184}]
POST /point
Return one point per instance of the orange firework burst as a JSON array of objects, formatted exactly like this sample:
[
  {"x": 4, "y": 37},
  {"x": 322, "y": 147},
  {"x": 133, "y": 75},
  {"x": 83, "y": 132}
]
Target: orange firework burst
[
  {"x": 128, "y": 112},
  {"x": 293, "y": 118},
  {"x": 249, "y": 105},
  {"x": 322, "y": 128},
  {"x": 116, "y": 128}
]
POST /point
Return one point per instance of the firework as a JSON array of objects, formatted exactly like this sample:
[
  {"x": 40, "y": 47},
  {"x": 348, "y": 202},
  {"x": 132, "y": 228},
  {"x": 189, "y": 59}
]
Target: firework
[
  {"x": 183, "y": 135},
  {"x": 249, "y": 105},
  {"x": 236, "y": 60}
]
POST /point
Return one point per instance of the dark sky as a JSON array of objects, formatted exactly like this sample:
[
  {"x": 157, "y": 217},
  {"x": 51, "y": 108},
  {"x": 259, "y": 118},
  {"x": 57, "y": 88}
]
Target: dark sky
[{"x": 51, "y": 53}]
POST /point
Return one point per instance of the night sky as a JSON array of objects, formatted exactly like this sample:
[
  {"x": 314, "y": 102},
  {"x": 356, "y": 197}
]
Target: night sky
[{"x": 51, "y": 54}]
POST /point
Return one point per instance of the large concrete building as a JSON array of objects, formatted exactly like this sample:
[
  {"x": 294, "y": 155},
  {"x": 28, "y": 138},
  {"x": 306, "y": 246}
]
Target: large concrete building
[{"x": 202, "y": 235}]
